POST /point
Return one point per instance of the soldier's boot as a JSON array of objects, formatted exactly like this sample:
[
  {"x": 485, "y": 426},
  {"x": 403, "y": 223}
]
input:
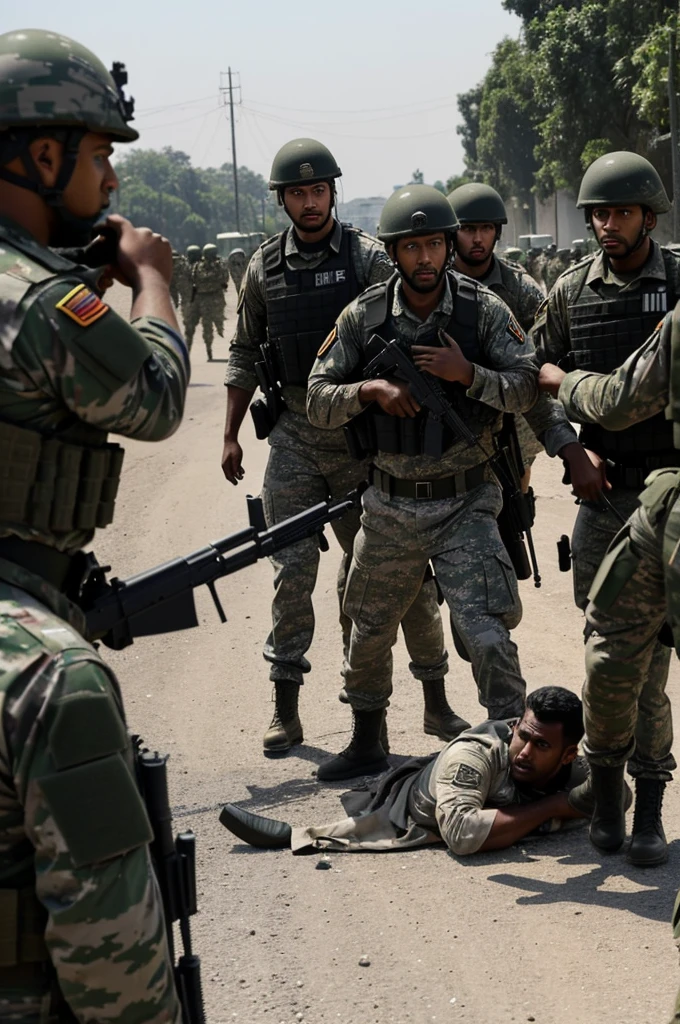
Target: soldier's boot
[
  {"x": 365, "y": 754},
  {"x": 285, "y": 729},
  {"x": 267, "y": 833},
  {"x": 440, "y": 719},
  {"x": 608, "y": 823},
  {"x": 384, "y": 739},
  {"x": 582, "y": 797},
  {"x": 648, "y": 847}
]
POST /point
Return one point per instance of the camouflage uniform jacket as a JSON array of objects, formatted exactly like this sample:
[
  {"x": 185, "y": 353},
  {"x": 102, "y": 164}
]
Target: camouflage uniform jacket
[
  {"x": 551, "y": 330},
  {"x": 371, "y": 264},
  {"x": 633, "y": 392},
  {"x": 210, "y": 276},
  {"x": 516, "y": 288},
  {"x": 71, "y": 368},
  {"x": 508, "y": 383}
]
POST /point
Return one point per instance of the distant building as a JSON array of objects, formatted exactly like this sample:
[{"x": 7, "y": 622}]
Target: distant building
[{"x": 362, "y": 213}]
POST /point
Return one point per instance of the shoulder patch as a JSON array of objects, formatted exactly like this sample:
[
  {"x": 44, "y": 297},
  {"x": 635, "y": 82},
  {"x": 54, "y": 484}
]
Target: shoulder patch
[
  {"x": 327, "y": 343},
  {"x": 515, "y": 329},
  {"x": 82, "y": 305},
  {"x": 467, "y": 777}
]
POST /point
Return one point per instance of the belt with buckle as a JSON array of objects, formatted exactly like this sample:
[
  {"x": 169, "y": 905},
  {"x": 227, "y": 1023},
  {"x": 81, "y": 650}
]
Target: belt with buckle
[{"x": 428, "y": 490}]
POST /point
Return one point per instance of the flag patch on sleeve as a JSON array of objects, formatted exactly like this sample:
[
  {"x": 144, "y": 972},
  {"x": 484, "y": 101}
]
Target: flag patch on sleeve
[
  {"x": 82, "y": 305},
  {"x": 515, "y": 330},
  {"x": 327, "y": 343}
]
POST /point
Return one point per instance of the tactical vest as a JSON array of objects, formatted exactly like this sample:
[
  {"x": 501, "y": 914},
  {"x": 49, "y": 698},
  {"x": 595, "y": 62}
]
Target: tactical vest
[
  {"x": 422, "y": 435},
  {"x": 303, "y": 305},
  {"x": 603, "y": 334},
  {"x": 47, "y": 483}
]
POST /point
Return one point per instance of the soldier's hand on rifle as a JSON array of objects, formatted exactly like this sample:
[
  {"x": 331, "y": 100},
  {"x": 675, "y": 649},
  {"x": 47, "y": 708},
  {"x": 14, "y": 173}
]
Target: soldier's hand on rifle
[
  {"x": 587, "y": 471},
  {"x": 393, "y": 397},
  {"x": 447, "y": 362},
  {"x": 550, "y": 378},
  {"x": 232, "y": 456}
]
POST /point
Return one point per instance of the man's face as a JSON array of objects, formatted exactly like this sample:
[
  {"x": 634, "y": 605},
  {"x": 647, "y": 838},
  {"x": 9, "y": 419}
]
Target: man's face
[
  {"x": 618, "y": 228},
  {"x": 475, "y": 243},
  {"x": 309, "y": 206},
  {"x": 538, "y": 751},
  {"x": 422, "y": 260},
  {"x": 93, "y": 179}
]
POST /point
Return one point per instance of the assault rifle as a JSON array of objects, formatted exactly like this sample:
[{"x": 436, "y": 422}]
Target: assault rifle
[
  {"x": 161, "y": 600},
  {"x": 517, "y": 514},
  {"x": 266, "y": 411},
  {"x": 174, "y": 861}
]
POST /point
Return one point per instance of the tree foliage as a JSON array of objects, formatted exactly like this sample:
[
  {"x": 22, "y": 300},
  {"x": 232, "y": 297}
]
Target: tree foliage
[
  {"x": 190, "y": 205},
  {"x": 585, "y": 77}
]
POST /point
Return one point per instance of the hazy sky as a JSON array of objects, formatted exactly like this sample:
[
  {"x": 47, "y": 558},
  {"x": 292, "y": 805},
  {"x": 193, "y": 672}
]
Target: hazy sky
[{"x": 376, "y": 80}]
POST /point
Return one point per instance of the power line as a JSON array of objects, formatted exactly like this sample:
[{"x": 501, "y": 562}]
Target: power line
[
  {"x": 185, "y": 120},
  {"x": 363, "y": 110},
  {"x": 373, "y": 120},
  {"x": 171, "y": 106},
  {"x": 346, "y": 135}
]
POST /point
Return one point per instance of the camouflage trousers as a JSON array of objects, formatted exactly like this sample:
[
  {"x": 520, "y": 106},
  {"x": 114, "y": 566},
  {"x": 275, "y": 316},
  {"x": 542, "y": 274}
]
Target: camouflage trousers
[
  {"x": 398, "y": 538},
  {"x": 627, "y": 712},
  {"x": 208, "y": 309},
  {"x": 305, "y": 466},
  {"x": 676, "y": 935}
]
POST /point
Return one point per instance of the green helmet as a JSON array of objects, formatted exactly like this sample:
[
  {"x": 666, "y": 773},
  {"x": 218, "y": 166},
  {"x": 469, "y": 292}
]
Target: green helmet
[
  {"x": 193, "y": 253},
  {"x": 415, "y": 210},
  {"x": 513, "y": 253},
  {"x": 302, "y": 162},
  {"x": 210, "y": 251},
  {"x": 47, "y": 79},
  {"x": 620, "y": 178},
  {"x": 476, "y": 203}
]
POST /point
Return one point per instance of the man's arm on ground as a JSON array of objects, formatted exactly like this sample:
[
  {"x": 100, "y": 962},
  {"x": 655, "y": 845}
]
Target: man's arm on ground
[{"x": 517, "y": 820}]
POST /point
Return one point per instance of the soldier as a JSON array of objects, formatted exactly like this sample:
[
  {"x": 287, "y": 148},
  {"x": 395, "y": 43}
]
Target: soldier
[
  {"x": 237, "y": 264},
  {"x": 82, "y": 921},
  {"x": 176, "y": 264},
  {"x": 210, "y": 280},
  {"x": 600, "y": 311},
  {"x": 295, "y": 286},
  {"x": 433, "y": 496},
  {"x": 549, "y": 271},
  {"x": 187, "y": 293}
]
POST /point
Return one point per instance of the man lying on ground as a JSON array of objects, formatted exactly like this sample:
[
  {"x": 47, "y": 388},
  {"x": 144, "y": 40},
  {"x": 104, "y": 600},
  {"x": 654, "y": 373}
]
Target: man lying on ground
[{"x": 488, "y": 788}]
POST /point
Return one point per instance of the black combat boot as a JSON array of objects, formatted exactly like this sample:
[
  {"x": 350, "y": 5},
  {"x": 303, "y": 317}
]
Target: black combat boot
[
  {"x": 364, "y": 755},
  {"x": 582, "y": 798},
  {"x": 267, "y": 833},
  {"x": 608, "y": 824},
  {"x": 648, "y": 847},
  {"x": 344, "y": 699},
  {"x": 285, "y": 729},
  {"x": 440, "y": 720}
]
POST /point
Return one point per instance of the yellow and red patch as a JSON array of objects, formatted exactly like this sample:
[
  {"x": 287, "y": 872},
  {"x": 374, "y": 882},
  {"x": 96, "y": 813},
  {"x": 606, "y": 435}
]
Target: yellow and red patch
[
  {"x": 82, "y": 305},
  {"x": 327, "y": 343},
  {"x": 516, "y": 330}
]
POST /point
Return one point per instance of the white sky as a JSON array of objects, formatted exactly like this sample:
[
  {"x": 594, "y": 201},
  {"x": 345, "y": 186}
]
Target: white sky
[{"x": 375, "y": 80}]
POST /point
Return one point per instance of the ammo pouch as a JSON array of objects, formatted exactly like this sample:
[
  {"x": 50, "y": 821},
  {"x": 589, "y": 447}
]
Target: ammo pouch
[
  {"x": 48, "y": 484},
  {"x": 23, "y": 927}
]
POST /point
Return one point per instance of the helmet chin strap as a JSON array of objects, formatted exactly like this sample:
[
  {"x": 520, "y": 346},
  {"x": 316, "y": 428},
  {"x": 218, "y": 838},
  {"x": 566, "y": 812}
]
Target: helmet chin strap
[{"x": 69, "y": 230}]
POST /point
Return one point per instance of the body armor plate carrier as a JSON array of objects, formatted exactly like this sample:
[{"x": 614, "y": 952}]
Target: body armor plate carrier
[
  {"x": 303, "y": 305},
  {"x": 604, "y": 332}
]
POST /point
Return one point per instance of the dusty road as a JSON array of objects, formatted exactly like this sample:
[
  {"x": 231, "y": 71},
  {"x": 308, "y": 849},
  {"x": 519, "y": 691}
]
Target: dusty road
[{"x": 548, "y": 932}]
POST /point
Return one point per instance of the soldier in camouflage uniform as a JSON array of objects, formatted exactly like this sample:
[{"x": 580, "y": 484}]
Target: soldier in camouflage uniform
[
  {"x": 481, "y": 213},
  {"x": 83, "y": 935},
  {"x": 422, "y": 506},
  {"x": 187, "y": 293},
  {"x": 598, "y": 314},
  {"x": 210, "y": 280},
  {"x": 237, "y": 263},
  {"x": 295, "y": 286}
]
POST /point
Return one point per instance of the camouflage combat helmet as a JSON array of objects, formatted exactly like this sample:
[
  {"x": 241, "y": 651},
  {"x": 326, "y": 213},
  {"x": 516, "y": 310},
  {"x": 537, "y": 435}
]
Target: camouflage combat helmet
[
  {"x": 415, "y": 210},
  {"x": 513, "y": 253},
  {"x": 210, "y": 251},
  {"x": 237, "y": 252},
  {"x": 193, "y": 253},
  {"x": 476, "y": 203},
  {"x": 620, "y": 178},
  {"x": 302, "y": 162}
]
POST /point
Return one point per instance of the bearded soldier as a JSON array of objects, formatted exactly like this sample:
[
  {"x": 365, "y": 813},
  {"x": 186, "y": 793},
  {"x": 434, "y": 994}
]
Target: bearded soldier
[
  {"x": 83, "y": 936},
  {"x": 598, "y": 313},
  {"x": 295, "y": 287}
]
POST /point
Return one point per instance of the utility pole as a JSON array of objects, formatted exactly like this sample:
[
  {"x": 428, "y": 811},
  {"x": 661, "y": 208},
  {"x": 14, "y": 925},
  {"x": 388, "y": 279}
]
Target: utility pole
[
  {"x": 675, "y": 141},
  {"x": 230, "y": 90}
]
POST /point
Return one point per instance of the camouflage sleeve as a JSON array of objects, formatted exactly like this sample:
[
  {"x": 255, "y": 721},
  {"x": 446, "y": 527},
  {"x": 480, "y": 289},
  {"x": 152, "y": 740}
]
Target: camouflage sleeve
[
  {"x": 464, "y": 777},
  {"x": 380, "y": 266},
  {"x": 550, "y": 424},
  {"x": 509, "y": 382},
  {"x": 331, "y": 401},
  {"x": 627, "y": 395},
  {"x": 130, "y": 379},
  {"x": 550, "y": 333},
  {"x": 251, "y": 328},
  {"x": 528, "y": 301},
  {"x": 84, "y": 817}
]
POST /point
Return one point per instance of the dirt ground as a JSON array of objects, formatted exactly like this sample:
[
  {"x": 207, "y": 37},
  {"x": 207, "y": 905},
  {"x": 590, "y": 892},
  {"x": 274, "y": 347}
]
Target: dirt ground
[{"x": 549, "y": 931}]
